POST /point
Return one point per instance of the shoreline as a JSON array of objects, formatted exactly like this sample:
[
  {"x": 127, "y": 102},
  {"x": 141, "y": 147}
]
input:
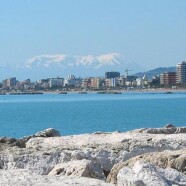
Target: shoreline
[{"x": 159, "y": 90}]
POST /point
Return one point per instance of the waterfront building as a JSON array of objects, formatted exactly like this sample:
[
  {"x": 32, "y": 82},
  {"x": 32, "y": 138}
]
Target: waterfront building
[
  {"x": 72, "y": 81},
  {"x": 42, "y": 83},
  {"x": 56, "y": 82},
  {"x": 131, "y": 80},
  {"x": 168, "y": 79},
  {"x": 86, "y": 83},
  {"x": 181, "y": 73},
  {"x": 139, "y": 81},
  {"x": 109, "y": 75},
  {"x": 24, "y": 85},
  {"x": 155, "y": 82},
  {"x": 10, "y": 82},
  {"x": 4, "y": 83},
  {"x": 97, "y": 82},
  {"x": 121, "y": 81},
  {"x": 112, "y": 82}
]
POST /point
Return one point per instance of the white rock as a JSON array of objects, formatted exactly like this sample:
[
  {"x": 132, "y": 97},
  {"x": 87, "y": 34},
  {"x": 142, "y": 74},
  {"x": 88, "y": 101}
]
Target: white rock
[
  {"x": 110, "y": 148},
  {"x": 23, "y": 177},
  {"x": 50, "y": 132},
  {"x": 41, "y": 154},
  {"x": 84, "y": 168},
  {"x": 145, "y": 174}
]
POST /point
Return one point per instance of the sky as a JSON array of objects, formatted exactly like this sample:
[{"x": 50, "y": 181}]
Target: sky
[{"x": 152, "y": 33}]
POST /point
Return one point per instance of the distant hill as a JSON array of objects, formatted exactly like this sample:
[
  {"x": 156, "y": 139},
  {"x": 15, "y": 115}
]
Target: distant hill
[{"x": 157, "y": 71}]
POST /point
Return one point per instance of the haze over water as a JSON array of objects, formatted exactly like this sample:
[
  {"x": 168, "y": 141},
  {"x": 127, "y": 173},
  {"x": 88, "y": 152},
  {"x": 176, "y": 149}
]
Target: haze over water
[{"x": 78, "y": 113}]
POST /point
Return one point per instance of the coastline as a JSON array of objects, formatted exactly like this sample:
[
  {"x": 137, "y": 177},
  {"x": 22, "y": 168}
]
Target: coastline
[
  {"x": 119, "y": 91},
  {"x": 47, "y": 158}
]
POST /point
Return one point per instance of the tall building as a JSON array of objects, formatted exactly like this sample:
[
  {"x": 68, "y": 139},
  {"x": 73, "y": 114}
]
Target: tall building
[
  {"x": 168, "y": 79},
  {"x": 56, "y": 82},
  {"x": 97, "y": 82},
  {"x": 181, "y": 73},
  {"x": 109, "y": 75},
  {"x": 72, "y": 81},
  {"x": 121, "y": 81},
  {"x": 11, "y": 82},
  {"x": 131, "y": 80},
  {"x": 111, "y": 82},
  {"x": 141, "y": 81},
  {"x": 86, "y": 83}
]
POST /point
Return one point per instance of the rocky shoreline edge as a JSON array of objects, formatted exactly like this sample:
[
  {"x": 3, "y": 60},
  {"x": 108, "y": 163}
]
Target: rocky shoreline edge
[{"x": 142, "y": 157}]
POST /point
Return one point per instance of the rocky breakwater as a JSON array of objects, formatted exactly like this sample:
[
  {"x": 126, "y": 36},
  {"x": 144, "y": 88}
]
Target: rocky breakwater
[{"x": 139, "y": 157}]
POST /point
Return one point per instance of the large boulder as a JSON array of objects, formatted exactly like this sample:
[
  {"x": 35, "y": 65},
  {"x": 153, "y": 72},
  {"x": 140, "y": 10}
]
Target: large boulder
[
  {"x": 169, "y": 125},
  {"x": 50, "y": 132},
  {"x": 83, "y": 168},
  {"x": 10, "y": 142},
  {"x": 144, "y": 174},
  {"x": 165, "y": 159}
]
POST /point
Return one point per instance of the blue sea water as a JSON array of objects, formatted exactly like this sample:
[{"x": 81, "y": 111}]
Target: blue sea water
[{"x": 22, "y": 115}]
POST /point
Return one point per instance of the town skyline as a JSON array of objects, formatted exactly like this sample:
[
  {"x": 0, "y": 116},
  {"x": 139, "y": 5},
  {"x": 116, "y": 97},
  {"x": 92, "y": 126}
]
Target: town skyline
[{"x": 111, "y": 80}]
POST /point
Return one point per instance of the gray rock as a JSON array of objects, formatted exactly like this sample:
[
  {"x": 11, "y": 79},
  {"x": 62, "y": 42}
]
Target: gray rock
[
  {"x": 10, "y": 142},
  {"x": 167, "y": 130},
  {"x": 50, "y": 132},
  {"x": 169, "y": 125}
]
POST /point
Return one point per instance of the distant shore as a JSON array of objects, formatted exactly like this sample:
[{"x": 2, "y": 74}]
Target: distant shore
[{"x": 109, "y": 91}]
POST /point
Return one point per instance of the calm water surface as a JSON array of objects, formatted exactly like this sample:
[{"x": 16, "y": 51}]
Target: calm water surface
[{"x": 22, "y": 115}]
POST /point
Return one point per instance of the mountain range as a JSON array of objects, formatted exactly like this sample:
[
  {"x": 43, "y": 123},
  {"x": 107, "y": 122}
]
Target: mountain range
[{"x": 62, "y": 65}]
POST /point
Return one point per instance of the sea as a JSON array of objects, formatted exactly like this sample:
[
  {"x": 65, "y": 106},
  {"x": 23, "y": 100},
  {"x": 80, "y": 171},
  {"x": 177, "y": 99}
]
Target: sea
[{"x": 73, "y": 113}]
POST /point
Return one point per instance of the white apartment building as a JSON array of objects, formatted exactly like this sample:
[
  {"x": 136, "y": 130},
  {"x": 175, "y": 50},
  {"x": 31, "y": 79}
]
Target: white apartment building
[
  {"x": 56, "y": 82},
  {"x": 73, "y": 81}
]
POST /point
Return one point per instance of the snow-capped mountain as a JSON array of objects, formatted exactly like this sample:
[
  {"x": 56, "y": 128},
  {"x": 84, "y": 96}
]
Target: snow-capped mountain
[
  {"x": 89, "y": 65},
  {"x": 61, "y": 65},
  {"x": 62, "y": 60}
]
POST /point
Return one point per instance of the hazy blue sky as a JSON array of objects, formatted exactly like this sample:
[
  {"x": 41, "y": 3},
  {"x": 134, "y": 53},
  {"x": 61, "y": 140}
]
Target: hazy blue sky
[{"x": 150, "y": 32}]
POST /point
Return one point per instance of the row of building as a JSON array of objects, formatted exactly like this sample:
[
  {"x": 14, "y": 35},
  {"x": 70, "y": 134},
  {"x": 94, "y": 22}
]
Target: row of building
[
  {"x": 174, "y": 78},
  {"x": 111, "y": 80}
]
